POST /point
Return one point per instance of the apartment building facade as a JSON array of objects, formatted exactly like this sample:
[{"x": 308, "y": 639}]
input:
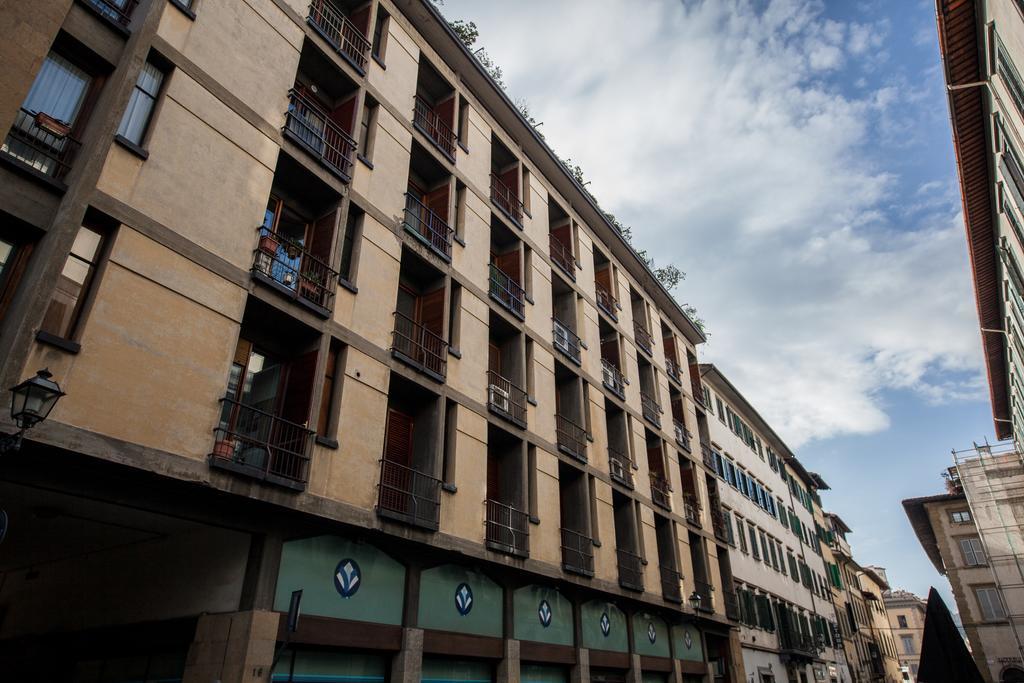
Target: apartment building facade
[
  {"x": 906, "y": 621},
  {"x": 330, "y": 317}
]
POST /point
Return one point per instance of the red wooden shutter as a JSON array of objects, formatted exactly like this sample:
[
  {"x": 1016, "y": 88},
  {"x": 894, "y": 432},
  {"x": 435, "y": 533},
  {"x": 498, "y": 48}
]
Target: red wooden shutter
[
  {"x": 446, "y": 111},
  {"x": 511, "y": 180},
  {"x": 431, "y": 311},
  {"x": 655, "y": 461},
  {"x": 321, "y": 239},
  {"x": 494, "y": 359},
  {"x": 493, "y": 478},
  {"x": 563, "y": 234},
  {"x": 299, "y": 388},
  {"x": 344, "y": 114},
  {"x": 604, "y": 279},
  {"x": 509, "y": 264},
  {"x": 437, "y": 201},
  {"x": 610, "y": 351},
  {"x": 398, "y": 439},
  {"x": 361, "y": 19}
]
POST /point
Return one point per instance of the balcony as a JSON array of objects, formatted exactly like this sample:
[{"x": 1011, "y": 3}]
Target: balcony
[
  {"x": 261, "y": 445},
  {"x": 682, "y": 435},
  {"x": 704, "y": 589},
  {"x": 671, "y": 584},
  {"x": 620, "y": 468},
  {"x": 673, "y": 371},
  {"x": 606, "y": 302},
  {"x": 286, "y": 266},
  {"x": 562, "y": 257},
  {"x": 408, "y": 495},
  {"x": 661, "y": 492},
  {"x": 340, "y": 32},
  {"x": 41, "y": 143},
  {"x": 650, "y": 408},
  {"x": 506, "y": 200},
  {"x": 507, "y": 292},
  {"x": 505, "y": 399},
  {"x": 430, "y": 123},
  {"x": 507, "y": 529},
  {"x": 117, "y": 11},
  {"x": 691, "y": 509},
  {"x": 572, "y": 438},
  {"x": 311, "y": 128},
  {"x": 698, "y": 390},
  {"x": 732, "y": 604},
  {"x": 718, "y": 522},
  {"x": 566, "y": 341},
  {"x": 793, "y": 642},
  {"x": 577, "y": 553},
  {"x": 707, "y": 456},
  {"x": 631, "y": 570},
  {"x": 613, "y": 379},
  {"x": 644, "y": 340},
  {"x": 414, "y": 344},
  {"x": 428, "y": 227}
]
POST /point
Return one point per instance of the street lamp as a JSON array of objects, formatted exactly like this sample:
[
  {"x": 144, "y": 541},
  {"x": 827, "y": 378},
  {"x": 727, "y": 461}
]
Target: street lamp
[
  {"x": 695, "y": 600},
  {"x": 31, "y": 403}
]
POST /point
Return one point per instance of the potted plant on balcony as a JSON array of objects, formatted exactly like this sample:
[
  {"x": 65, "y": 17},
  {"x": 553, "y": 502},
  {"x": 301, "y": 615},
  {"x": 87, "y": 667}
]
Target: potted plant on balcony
[
  {"x": 268, "y": 242},
  {"x": 311, "y": 285},
  {"x": 224, "y": 448},
  {"x": 292, "y": 247},
  {"x": 55, "y": 127}
]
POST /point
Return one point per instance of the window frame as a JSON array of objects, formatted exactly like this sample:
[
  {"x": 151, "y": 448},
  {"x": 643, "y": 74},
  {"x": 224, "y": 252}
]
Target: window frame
[
  {"x": 161, "y": 66},
  {"x": 87, "y": 293}
]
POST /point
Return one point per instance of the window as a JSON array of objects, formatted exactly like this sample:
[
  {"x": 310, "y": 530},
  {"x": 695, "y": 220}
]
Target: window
[
  {"x": 775, "y": 558},
  {"x": 380, "y": 35},
  {"x": 960, "y": 517},
  {"x": 782, "y": 558},
  {"x": 353, "y": 227},
  {"x": 137, "y": 116},
  {"x": 324, "y": 421},
  {"x": 902, "y": 621},
  {"x": 741, "y": 535},
  {"x": 908, "y": 644},
  {"x": 455, "y": 315},
  {"x": 990, "y": 603},
  {"x": 463, "y": 123},
  {"x": 65, "y": 309},
  {"x": 973, "y": 553},
  {"x": 753, "y": 541},
  {"x": 367, "y": 128},
  {"x": 451, "y": 428},
  {"x": 764, "y": 548},
  {"x": 721, "y": 410},
  {"x": 13, "y": 257}
]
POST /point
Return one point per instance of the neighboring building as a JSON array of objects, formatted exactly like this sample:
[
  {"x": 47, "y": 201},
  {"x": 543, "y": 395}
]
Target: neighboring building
[
  {"x": 906, "y": 621},
  {"x": 973, "y": 535}
]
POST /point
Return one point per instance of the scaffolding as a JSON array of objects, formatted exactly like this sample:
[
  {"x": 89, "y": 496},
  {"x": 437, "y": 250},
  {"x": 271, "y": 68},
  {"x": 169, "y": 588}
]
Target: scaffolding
[{"x": 991, "y": 478}]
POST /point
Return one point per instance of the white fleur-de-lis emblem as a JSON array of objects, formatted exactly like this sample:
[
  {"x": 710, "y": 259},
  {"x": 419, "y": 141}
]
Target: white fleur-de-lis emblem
[
  {"x": 347, "y": 577},
  {"x": 544, "y": 612},
  {"x": 687, "y": 640},
  {"x": 652, "y": 633},
  {"x": 606, "y": 624},
  {"x": 463, "y": 599}
]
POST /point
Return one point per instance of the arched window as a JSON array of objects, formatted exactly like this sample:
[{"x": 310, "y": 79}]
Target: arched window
[{"x": 1012, "y": 674}]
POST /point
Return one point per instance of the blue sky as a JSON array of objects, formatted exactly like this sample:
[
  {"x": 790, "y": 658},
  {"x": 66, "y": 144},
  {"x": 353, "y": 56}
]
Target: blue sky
[{"x": 794, "y": 157}]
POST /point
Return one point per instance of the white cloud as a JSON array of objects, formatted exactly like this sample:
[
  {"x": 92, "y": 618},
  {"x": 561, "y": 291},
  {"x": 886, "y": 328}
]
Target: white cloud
[{"x": 715, "y": 132}]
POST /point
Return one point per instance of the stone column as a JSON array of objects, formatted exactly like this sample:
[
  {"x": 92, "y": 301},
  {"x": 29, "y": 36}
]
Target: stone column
[
  {"x": 635, "y": 673},
  {"x": 407, "y": 665},
  {"x": 581, "y": 672},
  {"x": 508, "y": 669},
  {"x": 233, "y": 648}
]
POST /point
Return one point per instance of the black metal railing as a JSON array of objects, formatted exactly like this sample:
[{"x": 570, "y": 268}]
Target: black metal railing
[
  {"x": 691, "y": 510},
  {"x": 697, "y": 387},
  {"x": 506, "y": 398},
  {"x": 650, "y": 408},
  {"x": 661, "y": 492},
  {"x": 414, "y": 343},
  {"x": 566, "y": 341},
  {"x": 311, "y": 127},
  {"x": 426, "y": 225},
  {"x": 507, "y": 529},
  {"x": 261, "y": 444},
  {"x": 792, "y": 640},
  {"x": 409, "y": 495},
  {"x": 682, "y": 435},
  {"x": 577, "y": 552},
  {"x": 41, "y": 143},
  {"x": 671, "y": 584},
  {"x": 287, "y": 264},
  {"x": 613, "y": 379},
  {"x": 572, "y": 438},
  {"x": 508, "y": 292},
  {"x": 673, "y": 371},
  {"x": 118, "y": 11},
  {"x": 605, "y": 301},
  {"x": 706, "y": 455},
  {"x": 703, "y": 589},
  {"x": 562, "y": 257},
  {"x": 644, "y": 340},
  {"x": 430, "y": 123},
  {"x": 507, "y": 200},
  {"x": 340, "y": 32},
  {"x": 631, "y": 570},
  {"x": 619, "y": 467},
  {"x": 732, "y": 604}
]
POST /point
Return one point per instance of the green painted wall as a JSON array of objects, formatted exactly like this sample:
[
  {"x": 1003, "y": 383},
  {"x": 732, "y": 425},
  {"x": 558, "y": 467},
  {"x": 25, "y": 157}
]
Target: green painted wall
[
  {"x": 594, "y": 638},
  {"x": 642, "y": 630},
  {"x": 438, "y": 609},
  {"x": 542, "y": 673},
  {"x": 695, "y": 652},
  {"x": 310, "y": 564},
  {"x": 528, "y": 624},
  {"x": 441, "y": 670}
]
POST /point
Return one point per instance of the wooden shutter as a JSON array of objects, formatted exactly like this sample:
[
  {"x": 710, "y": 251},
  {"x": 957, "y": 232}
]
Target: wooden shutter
[
  {"x": 563, "y": 234},
  {"x": 511, "y": 179},
  {"x": 344, "y": 114},
  {"x": 494, "y": 358},
  {"x": 610, "y": 350},
  {"x": 299, "y": 388},
  {"x": 604, "y": 279},
  {"x": 493, "y": 478},
  {"x": 508, "y": 263},
  {"x": 655, "y": 461},
  {"x": 361, "y": 19},
  {"x": 446, "y": 111},
  {"x": 398, "y": 439},
  {"x": 321, "y": 238},
  {"x": 327, "y": 392},
  {"x": 431, "y": 311},
  {"x": 437, "y": 201}
]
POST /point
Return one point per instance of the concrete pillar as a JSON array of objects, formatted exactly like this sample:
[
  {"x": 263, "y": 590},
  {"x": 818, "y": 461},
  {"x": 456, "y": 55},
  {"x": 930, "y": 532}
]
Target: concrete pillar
[
  {"x": 677, "y": 672},
  {"x": 508, "y": 668},
  {"x": 407, "y": 665},
  {"x": 233, "y": 648},
  {"x": 581, "y": 672},
  {"x": 635, "y": 673}
]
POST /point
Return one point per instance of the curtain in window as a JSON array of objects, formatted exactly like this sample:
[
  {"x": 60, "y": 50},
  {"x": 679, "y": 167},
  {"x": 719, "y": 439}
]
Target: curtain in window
[
  {"x": 140, "y": 106},
  {"x": 58, "y": 89}
]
